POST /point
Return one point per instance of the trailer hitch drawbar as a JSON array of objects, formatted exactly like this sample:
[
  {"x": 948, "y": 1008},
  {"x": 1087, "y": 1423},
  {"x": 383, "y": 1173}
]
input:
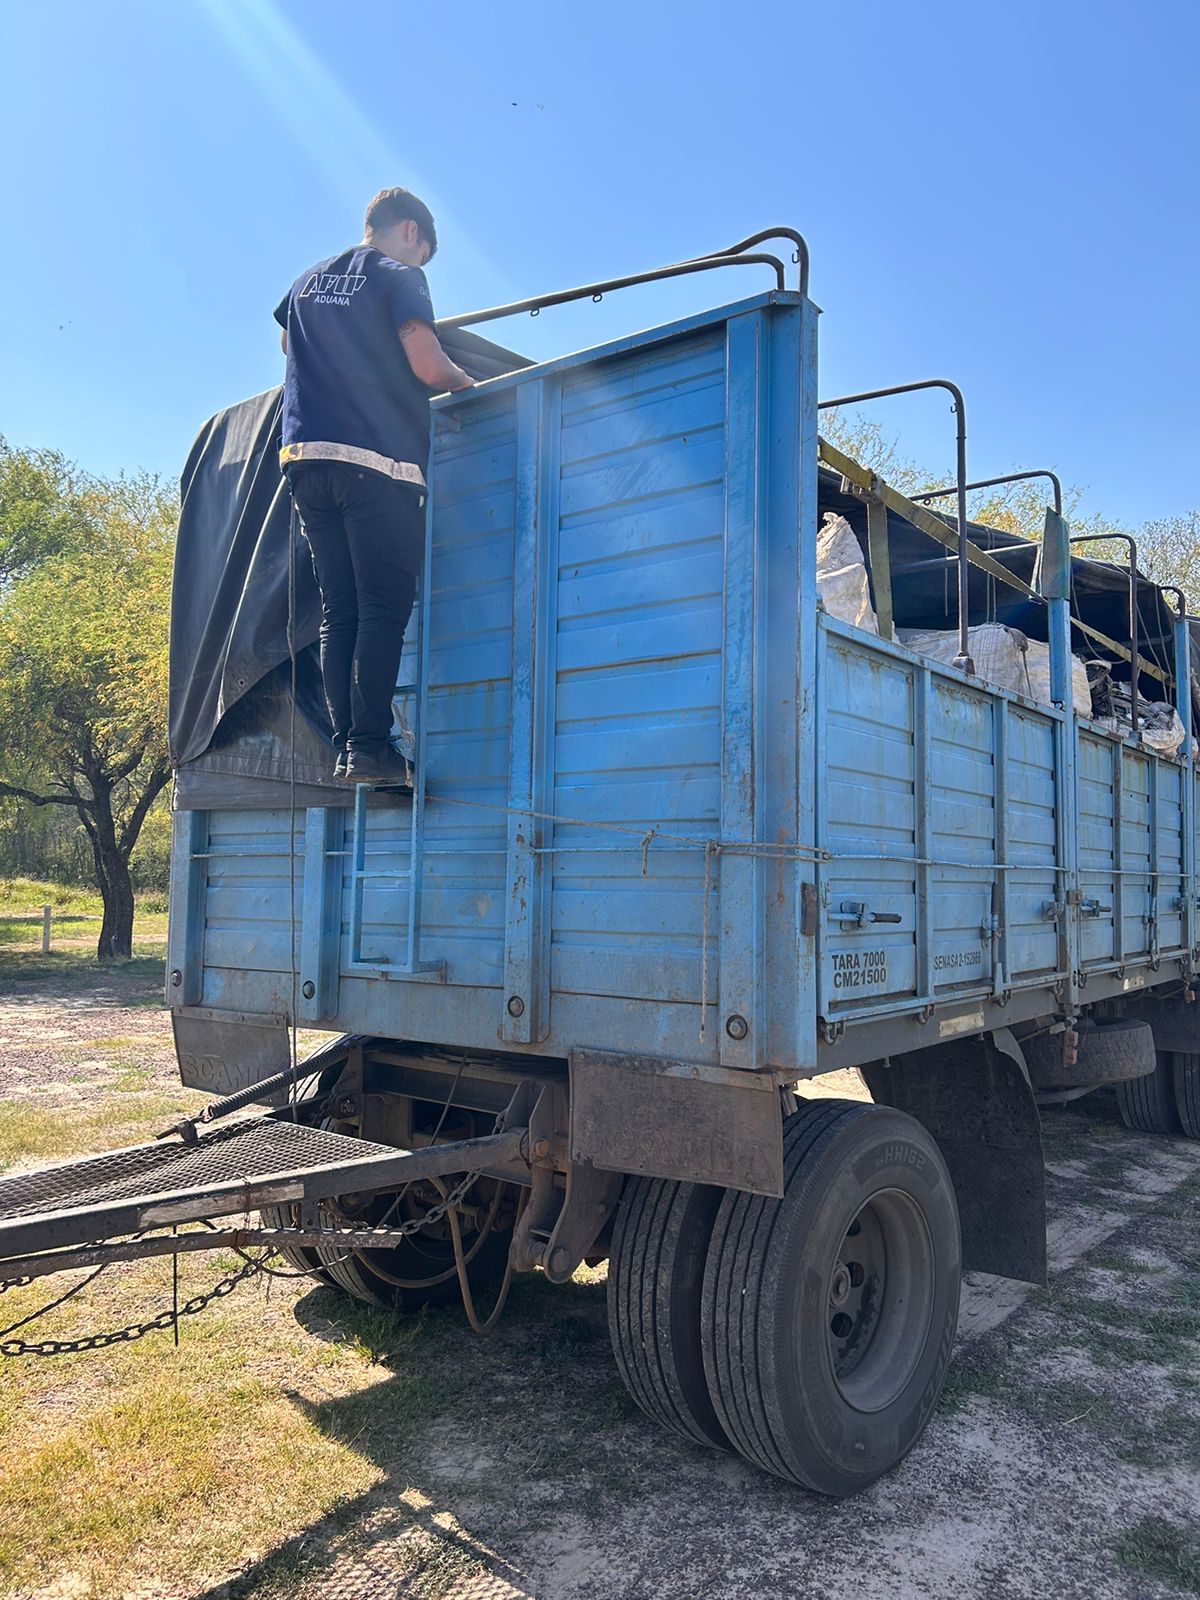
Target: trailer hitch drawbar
[{"x": 264, "y": 1163}]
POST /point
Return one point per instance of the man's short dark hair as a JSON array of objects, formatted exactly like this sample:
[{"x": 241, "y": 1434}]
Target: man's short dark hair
[{"x": 391, "y": 207}]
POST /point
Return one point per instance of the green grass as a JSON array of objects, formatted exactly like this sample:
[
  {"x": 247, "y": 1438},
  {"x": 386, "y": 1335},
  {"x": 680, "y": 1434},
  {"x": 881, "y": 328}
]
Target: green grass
[
  {"x": 22, "y": 895},
  {"x": 78, "y": 969},
  {"x": 1161, "y": 1550},
  {"x": 143, "y": 1467},
  {"x": 154, "y": 1464},
  {"x": 129, "y": 1115},
  {"x": 74, "y": 922}
]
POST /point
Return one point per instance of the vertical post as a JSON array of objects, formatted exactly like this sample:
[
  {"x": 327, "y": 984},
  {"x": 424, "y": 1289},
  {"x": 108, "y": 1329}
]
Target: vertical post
[
  {"x": 525, "y": 1018},
  {"x": 1119, "y": 900},
  {"x": 1000, "y": 897},
  {"x": 416, "y": 869},
  {"x": 809, "y": 774},
  {"x": 739, "y": 1018},
  {"x": 45, "y": 930},
  {"x": 923, "y": 832},
  {"x": 881, "y": 565},
  {"x": 321, "y": 915},
  {"x": 788, "y": 685},
  {"x": 1054, "y": 585},
  {"x": 963, "y": 659},
  {"x": 186, "y": 922},
  {"x": 1183, "y": 704}
]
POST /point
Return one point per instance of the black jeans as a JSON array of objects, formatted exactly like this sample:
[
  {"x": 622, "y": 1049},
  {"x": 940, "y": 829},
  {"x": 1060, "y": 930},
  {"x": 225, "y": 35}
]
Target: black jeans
[{"x": 367, "y": 534}]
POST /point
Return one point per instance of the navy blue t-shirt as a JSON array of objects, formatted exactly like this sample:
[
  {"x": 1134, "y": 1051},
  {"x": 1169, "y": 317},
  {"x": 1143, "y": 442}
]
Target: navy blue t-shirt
[{"x": 348, "y": 379}]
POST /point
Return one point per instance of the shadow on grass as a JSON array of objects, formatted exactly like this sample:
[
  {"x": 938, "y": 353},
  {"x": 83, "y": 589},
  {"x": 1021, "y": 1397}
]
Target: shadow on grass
[
  {"x": 481, "y": 1428},
  {"x": 71, "y": 972}
]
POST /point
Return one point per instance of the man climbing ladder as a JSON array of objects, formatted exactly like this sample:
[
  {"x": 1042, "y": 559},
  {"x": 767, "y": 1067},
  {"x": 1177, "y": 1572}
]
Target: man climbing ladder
[{"x": 363, "y": 359}]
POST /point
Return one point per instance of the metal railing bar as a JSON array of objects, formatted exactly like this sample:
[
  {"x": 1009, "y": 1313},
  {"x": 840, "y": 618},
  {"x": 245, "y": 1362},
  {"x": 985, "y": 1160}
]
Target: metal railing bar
[
  {"x": 963, "y": 659},
  {"x": 991, "y": 483},
  {"x": 596, "y": 290},
  {"x": 1126, "y": 539}
]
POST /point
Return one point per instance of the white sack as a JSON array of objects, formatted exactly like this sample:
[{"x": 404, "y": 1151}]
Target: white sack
[
  {"x": 1005, "y": 657},
  {"x": 1159, "y": 726},
  {"x": 842, "y": 575}
]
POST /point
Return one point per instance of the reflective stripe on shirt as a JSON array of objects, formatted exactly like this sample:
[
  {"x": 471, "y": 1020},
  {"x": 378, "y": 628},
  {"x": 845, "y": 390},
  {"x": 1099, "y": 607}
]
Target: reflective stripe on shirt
[{"x": 323, "y": 450}]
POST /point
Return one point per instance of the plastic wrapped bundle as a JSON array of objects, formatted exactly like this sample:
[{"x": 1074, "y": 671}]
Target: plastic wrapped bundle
[
  {"x": 1159, "y": 725},
  {"x": 1005, "y": 657},
  {"x": 842, "y": 575}
]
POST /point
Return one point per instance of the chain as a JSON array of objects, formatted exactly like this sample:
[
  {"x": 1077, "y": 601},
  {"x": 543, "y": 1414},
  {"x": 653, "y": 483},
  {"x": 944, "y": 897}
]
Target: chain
[
  {"x": 402, "y": 1230},
  {"x": 138, "y": 1330},
  {"x": 13, "y": 1283}
]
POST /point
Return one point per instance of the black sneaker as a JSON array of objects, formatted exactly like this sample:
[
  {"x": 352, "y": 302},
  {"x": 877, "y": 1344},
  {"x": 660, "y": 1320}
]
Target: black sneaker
[{"x": 386, "y": 767}]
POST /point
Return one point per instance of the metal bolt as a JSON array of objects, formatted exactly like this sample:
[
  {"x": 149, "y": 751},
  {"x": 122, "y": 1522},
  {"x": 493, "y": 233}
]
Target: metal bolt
[
  {"x": 736, "y": 1026},
  {"x": 540, "y": 1149},
  {"x": 308, "y": 989},
  {"x": 347, "y": 1106},
  {"x": 176, "y": 977},
  {"x": 516, "y": 1006}
]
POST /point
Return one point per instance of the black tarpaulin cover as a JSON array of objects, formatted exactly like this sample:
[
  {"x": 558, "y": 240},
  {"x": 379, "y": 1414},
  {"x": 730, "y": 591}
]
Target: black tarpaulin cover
[{"x": 230, "y": 717}]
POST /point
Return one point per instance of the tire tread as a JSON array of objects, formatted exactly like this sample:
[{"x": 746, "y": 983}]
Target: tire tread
[{"x": 1147, "y": 1104}]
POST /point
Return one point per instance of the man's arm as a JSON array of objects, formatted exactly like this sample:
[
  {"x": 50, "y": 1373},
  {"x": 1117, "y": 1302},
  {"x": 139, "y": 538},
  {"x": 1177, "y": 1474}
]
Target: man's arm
[{"x": 429, "y": 361}]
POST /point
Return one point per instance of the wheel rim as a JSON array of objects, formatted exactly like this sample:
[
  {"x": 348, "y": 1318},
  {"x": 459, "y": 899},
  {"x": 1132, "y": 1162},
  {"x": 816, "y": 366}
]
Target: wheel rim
[
  {"x": 879, "y": 1300},
  {"x": 423, "y": 1247}
]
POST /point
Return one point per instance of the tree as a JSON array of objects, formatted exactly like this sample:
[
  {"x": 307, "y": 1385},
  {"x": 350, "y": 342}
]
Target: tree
[
  {"x": 83, "y": 661},
  {"x": 1169, "y": 552},
  {"x": 40, "y": 512}
]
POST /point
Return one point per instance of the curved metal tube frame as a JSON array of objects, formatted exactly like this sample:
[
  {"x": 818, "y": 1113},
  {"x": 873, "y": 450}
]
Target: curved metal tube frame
[
  {"x": 1181, "y": 610},
  {"x": 963, "y": 659},
  {"x": 597, "y": 290},
  {"x": 991, "y": 483},
  {"x": 800, "y": 254},
  {"x": 1125, "y": 538}
]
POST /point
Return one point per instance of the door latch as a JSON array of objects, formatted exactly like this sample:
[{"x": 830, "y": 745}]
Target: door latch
[{"x": 859, "y": 915}]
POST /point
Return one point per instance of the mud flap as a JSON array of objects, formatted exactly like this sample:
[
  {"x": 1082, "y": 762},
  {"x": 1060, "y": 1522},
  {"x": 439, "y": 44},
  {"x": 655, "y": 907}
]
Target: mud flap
[
  {"x": 672, "y": 1119},
  {"x": 223, "y": 1051},
  {"x": 976, "y": 1101}
]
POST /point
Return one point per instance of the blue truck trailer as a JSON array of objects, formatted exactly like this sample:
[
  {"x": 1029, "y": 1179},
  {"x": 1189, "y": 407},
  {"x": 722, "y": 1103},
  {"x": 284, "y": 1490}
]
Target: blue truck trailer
[{"x": 681, "y": 843}]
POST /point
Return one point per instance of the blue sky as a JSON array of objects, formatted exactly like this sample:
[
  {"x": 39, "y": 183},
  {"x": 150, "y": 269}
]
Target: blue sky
[{"x": 1001, "y": 193}]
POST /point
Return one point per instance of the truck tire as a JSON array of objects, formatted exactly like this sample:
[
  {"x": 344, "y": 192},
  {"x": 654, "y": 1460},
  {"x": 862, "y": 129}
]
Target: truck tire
[
  {"x": 1147, "y": 1104},
  {"x": 1186, "y": 1073},
  {"x": 829, "y": 1316},
  {"x": 655, "y": 1278},
  {"x": 418, "y": 1271},
  {"x": 1109, "y": 1052}
]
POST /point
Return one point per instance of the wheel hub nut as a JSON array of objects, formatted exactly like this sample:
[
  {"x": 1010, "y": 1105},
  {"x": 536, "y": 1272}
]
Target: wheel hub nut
[{"x": 839, "y": 1286}]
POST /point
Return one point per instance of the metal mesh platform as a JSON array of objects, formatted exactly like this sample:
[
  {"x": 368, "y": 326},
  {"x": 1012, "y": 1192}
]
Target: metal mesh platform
[{"x": 260, "y": 1148}]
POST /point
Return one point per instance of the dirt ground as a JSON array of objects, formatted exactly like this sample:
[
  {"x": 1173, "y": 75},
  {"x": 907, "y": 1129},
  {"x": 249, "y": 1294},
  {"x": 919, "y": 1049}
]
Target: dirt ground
[{"x": 1064, "y": 1459}]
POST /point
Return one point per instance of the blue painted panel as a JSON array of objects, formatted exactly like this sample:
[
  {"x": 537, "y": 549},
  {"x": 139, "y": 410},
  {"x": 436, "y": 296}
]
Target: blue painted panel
[
  {"x": 1170, "y": 857},
  {"x": 867, "y": 808},
  {"x": 1098, "y": 841},
  {"x": 970, "y": 875},
  {"x": 1032, "y": 833},
  {"x": 251, "y": 887},
  {"x": 1136, "y": 853},
  {"x": 637, "y": 695}
]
